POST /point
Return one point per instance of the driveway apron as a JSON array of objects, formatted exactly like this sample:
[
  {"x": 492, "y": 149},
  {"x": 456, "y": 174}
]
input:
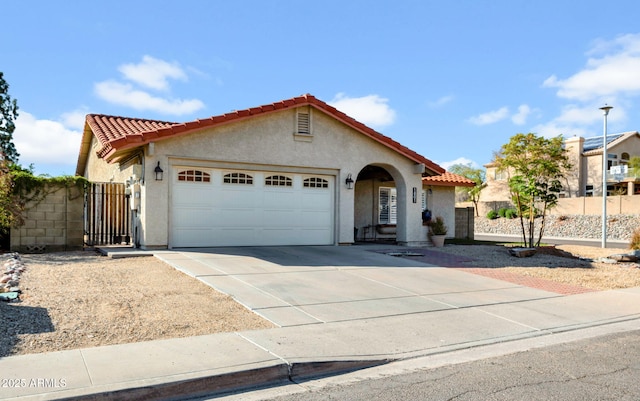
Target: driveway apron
[{"x": 294, "y": 286}]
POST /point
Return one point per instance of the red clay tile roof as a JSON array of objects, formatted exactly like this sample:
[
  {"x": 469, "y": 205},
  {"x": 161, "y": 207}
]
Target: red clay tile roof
[
  {"x": 116, "y": 134},
  {"x": 447, "y": 179}
]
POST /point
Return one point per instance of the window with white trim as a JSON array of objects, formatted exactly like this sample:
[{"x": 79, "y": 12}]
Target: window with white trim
[
  {"x": 238, "y": 178},
  {"x": 278, "y": 181},
  {"x": 315, "y": 182},
  {"x": 387, "y": 206},
  {"x": 194, "y": 176}
]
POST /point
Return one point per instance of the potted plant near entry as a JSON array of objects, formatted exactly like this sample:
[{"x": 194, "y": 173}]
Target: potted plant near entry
[{"x": 437, "y": 231}]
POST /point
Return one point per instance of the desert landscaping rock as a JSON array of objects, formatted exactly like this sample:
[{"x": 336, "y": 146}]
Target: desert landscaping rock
[
  {"x": 522, "y": 252},
  {"x": 12, "y": 269},
  {"x": 624, "y": 258},
  {"x": 619, "y": 227}
]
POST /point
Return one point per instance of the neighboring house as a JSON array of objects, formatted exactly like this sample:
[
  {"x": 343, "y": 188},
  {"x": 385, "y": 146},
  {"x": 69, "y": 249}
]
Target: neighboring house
[
  {"x": 585, "y": 178},
  {"x": 295, "y": 172}
]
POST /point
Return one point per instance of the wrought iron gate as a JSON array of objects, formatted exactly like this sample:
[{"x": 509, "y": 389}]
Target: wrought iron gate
[{"x": 107, "y": 215}]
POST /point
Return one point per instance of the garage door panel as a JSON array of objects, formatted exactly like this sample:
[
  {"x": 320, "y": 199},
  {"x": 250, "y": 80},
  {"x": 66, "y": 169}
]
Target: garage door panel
[
  {"x": 192, "y": 194},
  {"x": 280, "y": 199},
  {"x": 193, "y": 217},
  {"x": 262, "y": 212},
  {"x": 315, "y": 219},
  {"x": 278, "y": 218},
  {"x": 228, "y": 217},
  {"x": 233, "y": 236},
  {"x": 193, "y": 236}
]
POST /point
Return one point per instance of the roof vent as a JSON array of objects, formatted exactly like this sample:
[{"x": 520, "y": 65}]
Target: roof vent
[{"x": 304, "y": 123}]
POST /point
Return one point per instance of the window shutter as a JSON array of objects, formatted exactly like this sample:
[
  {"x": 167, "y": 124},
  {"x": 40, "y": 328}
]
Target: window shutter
[{"x": 388, "y": 208}]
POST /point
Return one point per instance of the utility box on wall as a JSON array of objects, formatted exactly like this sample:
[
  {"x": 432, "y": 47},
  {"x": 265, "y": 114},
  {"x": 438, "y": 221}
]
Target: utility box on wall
[{"x": 56, "y": 223}]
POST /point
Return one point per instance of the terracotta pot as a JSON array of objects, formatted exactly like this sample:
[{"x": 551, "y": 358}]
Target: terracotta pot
[{"x": 438, "y": 240}]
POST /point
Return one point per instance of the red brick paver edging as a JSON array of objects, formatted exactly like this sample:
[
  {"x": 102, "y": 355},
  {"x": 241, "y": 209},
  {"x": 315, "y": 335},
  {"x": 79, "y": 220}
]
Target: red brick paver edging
[
  {"x": 527, "y": 281},
  {"x": 444, "y": 259}
]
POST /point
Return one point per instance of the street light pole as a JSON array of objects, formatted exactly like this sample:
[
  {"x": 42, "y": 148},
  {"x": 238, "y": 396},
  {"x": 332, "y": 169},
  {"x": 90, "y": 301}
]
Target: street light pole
[{"x": 605, "y": 110}]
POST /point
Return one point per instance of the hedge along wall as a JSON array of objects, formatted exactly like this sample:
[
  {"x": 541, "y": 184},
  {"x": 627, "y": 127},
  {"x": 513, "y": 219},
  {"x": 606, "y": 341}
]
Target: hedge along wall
[{"x": 55, "y": 223}]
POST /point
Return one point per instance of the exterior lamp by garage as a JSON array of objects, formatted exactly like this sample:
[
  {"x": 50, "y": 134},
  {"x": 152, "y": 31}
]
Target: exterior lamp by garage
[
  {"x": 349, "y": 181},
  {"x": 159, "y": 172}
]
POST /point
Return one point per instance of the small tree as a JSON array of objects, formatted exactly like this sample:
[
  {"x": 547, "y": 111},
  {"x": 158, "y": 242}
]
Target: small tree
[
  {"x": 535, "y": 165},
  {"x": 634, "y": 166},
  {"x": 475, "y": 175},
  {"x": 8, "y": 114}
]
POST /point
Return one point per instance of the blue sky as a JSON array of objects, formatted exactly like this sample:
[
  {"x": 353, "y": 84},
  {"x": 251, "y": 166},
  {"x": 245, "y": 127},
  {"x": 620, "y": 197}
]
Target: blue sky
[{"x": 452, "y": 80}]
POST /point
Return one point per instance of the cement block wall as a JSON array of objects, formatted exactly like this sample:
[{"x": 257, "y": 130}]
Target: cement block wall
[
  {"x": 53, "y": 224},
  {"x": 465, "y": 222}
]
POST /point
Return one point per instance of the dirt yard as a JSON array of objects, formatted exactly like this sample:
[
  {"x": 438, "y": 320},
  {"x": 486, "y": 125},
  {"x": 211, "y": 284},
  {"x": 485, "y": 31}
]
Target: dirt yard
[{"x": 80, "y": 299}]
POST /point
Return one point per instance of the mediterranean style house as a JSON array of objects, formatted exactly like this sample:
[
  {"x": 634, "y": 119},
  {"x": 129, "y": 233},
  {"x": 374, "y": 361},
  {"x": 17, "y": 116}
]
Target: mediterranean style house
[
  {"x": 294, "y": 172},
  {"x": 585, "y": 178}
]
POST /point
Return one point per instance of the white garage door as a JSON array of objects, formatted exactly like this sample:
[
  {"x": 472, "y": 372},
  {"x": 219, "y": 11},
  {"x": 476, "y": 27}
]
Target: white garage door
[{"x": 213, "y": 207}]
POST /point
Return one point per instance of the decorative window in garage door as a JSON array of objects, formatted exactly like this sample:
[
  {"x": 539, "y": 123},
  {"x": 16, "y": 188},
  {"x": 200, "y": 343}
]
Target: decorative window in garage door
[
  {"x": 238, "y": 178},
  {"x": 194, "y": 176},
  {"x": 278, "y": 181},
  {"x": 315, "y": 182}
]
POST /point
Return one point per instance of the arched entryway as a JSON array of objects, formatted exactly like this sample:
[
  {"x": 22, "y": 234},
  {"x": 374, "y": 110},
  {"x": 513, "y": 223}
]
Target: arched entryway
[{"x": 376, "y": 207}]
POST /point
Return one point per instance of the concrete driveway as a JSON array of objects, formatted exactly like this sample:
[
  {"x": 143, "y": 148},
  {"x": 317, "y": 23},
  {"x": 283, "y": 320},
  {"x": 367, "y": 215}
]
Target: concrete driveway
[{"x": 305, "y": 285}]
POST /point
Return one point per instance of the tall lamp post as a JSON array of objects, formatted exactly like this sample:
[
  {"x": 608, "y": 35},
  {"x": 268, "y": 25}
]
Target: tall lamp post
[{"x": 605, "y": 110}]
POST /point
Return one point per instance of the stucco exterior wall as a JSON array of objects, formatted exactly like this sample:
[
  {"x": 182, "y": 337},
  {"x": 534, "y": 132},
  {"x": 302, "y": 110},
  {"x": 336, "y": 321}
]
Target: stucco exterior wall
[
  {"x": 267, "y": 142},
  {"x": 441, "y": 202},
  {"x": 97, "y": 170}
]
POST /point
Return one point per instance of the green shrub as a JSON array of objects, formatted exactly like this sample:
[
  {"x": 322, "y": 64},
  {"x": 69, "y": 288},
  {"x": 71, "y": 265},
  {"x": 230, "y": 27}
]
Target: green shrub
[
  {"x": 492, "y": 214},
  {"x": 635, "y": 240},
  {"x": 438, "y": 227},
  {"x": 502, "y": 211},
  {"x": 511, "y": 214}
]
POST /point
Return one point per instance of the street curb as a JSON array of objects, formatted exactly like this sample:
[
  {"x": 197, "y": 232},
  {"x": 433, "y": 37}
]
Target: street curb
[{"x": 216, "y": 385}]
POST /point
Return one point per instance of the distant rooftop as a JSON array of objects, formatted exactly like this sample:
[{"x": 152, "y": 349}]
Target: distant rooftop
[{"x": 596, "y": 142}]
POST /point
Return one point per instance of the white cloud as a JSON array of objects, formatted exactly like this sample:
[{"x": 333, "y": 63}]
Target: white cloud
[
  {"x": 153, "y": 73},
  {"x": 442, "y": 101},
  {"x": 555, "y": 127},
  {"x": 490, "y": 117},
  {"x": 45, "y": 141},
  {"x": 581, "y": 120},
  {"x": 127, "y": 95},
  {"x": 371, "y": 110},
  {"x": 520, "y": 118},
  {"x": 459, "y": 160},
  {"x": 614, "y": 68},
  {"x": 74, "y": 119}
]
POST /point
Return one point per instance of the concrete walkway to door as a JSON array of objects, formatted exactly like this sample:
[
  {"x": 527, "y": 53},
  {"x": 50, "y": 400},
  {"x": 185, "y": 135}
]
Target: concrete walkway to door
[{"x": 337, "y": 308}]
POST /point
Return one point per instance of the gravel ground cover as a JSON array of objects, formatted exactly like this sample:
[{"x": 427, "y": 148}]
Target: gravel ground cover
[
  {"x": 567, "y": 264},
  {"x": 80, "y": 299}
]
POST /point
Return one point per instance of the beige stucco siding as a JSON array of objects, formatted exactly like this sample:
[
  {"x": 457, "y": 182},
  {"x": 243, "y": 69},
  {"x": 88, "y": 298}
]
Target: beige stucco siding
[
  {"x": 97, "y": 170},
  {"x": 268, "y": 142}
]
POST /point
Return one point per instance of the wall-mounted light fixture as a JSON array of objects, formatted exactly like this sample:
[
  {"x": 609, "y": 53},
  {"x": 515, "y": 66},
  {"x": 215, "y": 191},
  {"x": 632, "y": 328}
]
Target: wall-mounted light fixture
[
  {"x": 159, "y": 172},
  {"x": 349, "y": 181}
]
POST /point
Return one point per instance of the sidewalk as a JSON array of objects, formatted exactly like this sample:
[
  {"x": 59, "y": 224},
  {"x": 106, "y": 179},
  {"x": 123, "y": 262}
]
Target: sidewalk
[{"x": 388, "y": 322}]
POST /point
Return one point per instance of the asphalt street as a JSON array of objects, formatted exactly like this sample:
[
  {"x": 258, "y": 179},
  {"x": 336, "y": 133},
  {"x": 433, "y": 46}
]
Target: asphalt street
[{"x": 600, "y": 368}]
